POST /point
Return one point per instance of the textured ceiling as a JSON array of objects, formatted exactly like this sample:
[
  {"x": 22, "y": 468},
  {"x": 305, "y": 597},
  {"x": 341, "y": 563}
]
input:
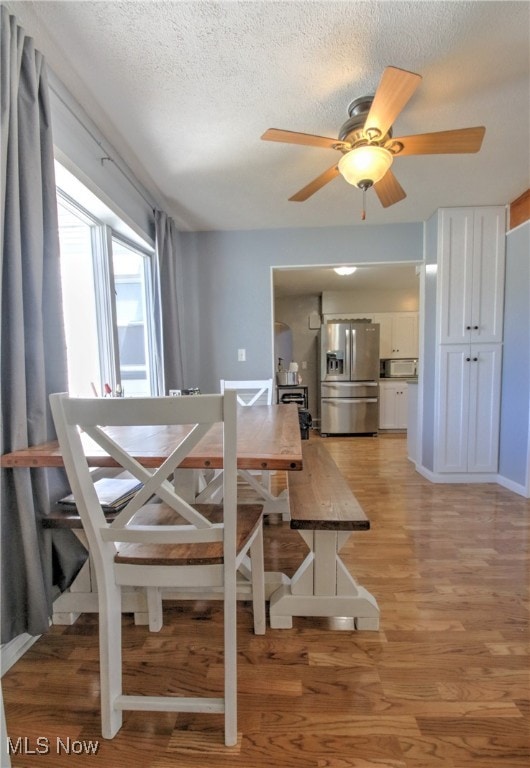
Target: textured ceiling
[{"x": 184, "y": 91}]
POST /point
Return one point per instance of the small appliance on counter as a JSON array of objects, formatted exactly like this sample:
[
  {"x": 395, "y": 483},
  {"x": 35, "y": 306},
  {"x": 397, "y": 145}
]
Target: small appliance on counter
[
  {"x": 289, "y": 377},
  {"x": 399, "y": 369}
]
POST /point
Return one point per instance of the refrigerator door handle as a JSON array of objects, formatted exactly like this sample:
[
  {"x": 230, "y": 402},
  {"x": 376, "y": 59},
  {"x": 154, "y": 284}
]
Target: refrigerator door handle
[{"x": 363, "y": 384}]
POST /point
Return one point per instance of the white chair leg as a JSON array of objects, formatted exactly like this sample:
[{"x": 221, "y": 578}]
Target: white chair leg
[
  {"x": 266, "y": 480},
  {"x": 110, "y": 659},
  {"x": 230, "y": 656},
  {"x": 154, "y": 609},
  {"x": 258, "y": 583}
]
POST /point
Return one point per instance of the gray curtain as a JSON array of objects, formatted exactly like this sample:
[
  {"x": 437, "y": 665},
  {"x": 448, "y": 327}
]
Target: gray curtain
[
  {"x": 168, "y": 313},
  {"x": 32, "y": 346}
]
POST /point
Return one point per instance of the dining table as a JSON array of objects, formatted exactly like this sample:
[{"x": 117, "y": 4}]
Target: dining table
[{"x": 268, "y": 438}]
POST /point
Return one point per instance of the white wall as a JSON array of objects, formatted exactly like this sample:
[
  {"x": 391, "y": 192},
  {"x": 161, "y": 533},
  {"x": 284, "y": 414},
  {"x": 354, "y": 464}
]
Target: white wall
[{"x": 370, "y": 300}]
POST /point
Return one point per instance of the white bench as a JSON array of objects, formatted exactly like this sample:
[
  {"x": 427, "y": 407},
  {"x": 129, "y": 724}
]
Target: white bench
[{"x": 325, "y": 512}]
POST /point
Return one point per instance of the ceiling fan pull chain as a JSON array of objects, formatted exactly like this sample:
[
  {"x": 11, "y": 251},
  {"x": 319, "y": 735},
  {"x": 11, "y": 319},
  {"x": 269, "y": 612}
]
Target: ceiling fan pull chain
[{"x": 363, "y": 214}]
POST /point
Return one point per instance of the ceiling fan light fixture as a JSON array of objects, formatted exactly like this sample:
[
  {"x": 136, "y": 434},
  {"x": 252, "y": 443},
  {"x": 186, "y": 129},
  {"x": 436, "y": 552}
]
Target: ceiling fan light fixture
[
  {"x": 344, "y": 270},
  {"x": 366, "y": 165}
]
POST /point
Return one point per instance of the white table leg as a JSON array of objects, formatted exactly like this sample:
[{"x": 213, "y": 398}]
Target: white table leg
[{"x": 323, "y": 586}]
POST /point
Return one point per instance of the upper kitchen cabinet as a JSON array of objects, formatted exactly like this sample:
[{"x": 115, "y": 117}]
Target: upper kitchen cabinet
[
  {"x": 471, "y": 244},
  {"x": 398, "y": 334}
]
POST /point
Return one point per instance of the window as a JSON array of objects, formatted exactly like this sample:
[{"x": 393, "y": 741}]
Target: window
[
  {"x": 131, "y": 278},
  {"x": 106, "y": 283}
]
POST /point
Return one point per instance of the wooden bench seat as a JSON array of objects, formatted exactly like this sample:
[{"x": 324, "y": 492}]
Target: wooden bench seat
[
  {"x": 319, "y": 496},
  {"x": 325, "y": 512}
]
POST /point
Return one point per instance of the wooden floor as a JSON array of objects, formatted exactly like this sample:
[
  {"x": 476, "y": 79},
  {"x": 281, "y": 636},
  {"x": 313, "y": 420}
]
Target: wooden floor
[{"x": 443, "y": 684}]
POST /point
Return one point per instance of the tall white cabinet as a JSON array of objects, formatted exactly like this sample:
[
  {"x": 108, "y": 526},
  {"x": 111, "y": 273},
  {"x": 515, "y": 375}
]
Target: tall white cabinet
[{"x": 471, "y": 243}]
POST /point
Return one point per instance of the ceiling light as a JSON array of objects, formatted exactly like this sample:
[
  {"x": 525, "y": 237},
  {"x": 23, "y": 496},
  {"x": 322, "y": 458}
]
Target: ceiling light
[
  {"x": 345, "y": 270},
  {"x": 366, "y": 165}
]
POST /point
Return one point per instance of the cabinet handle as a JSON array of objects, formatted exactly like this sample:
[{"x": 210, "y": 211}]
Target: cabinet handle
[
  {"x": 468, "y": 359},
  {"x": 475, "y": 359},
  {"x": 475, "y": 327},
  {"x": 468, "y": 327}
]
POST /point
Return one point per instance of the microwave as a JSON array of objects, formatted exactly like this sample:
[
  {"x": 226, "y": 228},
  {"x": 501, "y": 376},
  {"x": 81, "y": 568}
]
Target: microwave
[{"x": 400, "y": 369}]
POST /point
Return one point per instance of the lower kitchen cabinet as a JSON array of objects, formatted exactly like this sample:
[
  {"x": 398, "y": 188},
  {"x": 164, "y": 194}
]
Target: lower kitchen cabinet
[
  {"x": 393, "y": 398},
  {"x": 468, "y": 408}
]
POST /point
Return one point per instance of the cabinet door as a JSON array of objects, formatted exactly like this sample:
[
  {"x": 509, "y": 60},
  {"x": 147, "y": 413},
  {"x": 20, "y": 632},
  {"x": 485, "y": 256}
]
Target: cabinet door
[
  {"x": 455, "y": 274},
  {"x": 387, "y": 406},
  {"x": 484, "y": 407},
  {"x": 468, "y": 412},
  {"x": 402, "y": 407},
  {"x": 405, "y": 335},
  {"x": 392, "y": 405},
  {"x": 488, "y": 275},
  {"x": 398, "y": 334},
  {"x": 450, "y": 448},
  {"x": 471, "y": 274},
  {"x": 385, "y": 334}
]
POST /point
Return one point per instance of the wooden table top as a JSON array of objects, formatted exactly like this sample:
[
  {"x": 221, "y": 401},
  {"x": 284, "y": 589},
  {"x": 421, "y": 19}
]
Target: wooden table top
[{"x": 268, "y": 438}]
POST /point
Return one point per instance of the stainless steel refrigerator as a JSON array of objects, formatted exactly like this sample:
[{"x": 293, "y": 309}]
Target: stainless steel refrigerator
[{"x": 349, "y": 386}]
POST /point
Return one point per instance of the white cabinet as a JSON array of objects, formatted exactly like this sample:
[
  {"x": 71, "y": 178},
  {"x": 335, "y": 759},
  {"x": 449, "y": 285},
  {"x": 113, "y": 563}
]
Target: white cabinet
[
  {"x": 470, "y": 301},
  {"x": 398, "y": 331},
  {"x": 393, "y": 397},
  {"x": 468, "y": 412},
  {"x": 398, "y": 334},
  {"x": 471, "y": 243}
]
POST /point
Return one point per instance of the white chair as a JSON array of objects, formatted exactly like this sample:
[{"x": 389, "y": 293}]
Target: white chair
[
  {"x": 250, "y": 392},
  {"x": 167, "y": 544}
]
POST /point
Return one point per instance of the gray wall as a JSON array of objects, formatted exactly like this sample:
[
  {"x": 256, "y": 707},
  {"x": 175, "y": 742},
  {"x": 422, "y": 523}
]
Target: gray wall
[
  {"x": 228, "y": 287},
  {"x": 295, "y": 311},
  {"x": 515, "y": 399},
  {"x": 80, "y": 147}
]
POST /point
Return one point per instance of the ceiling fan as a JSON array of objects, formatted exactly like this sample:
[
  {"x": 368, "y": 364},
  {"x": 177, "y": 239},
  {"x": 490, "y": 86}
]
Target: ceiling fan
[{"x": 367, "y": 145}]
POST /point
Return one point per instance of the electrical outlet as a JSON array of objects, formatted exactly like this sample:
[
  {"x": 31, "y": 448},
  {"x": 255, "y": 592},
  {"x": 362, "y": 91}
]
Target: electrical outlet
[{"x": 241, "y": 355}]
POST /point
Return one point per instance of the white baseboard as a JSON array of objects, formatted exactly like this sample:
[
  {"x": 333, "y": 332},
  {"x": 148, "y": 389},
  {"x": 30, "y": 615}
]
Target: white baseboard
[
  {"x": 12, "y": 651},
  {"x": 515, "y": 487},
  {"x": 436, "y": 477},
  {"x": 456, "y": 477}
]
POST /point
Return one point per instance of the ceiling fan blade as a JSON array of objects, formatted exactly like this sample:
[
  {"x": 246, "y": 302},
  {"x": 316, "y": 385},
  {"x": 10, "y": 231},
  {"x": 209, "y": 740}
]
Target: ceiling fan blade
[
  {"x": 315, "y": 185},
  {"x": 394, "y": 90},
  {"x": 389, "y": 190},
  {"x": 461, "y": 140},
  {"x": 291, "y": 137}
]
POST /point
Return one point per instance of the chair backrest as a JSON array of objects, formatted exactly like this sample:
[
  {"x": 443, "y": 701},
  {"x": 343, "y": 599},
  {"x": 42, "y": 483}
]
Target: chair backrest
[
  {"x": 180, "y": 423},
  {"x": 251, "y": 391}
]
